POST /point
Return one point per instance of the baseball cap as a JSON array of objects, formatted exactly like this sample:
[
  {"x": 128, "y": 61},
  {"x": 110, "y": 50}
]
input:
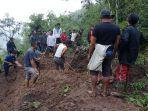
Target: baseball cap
[{"x": 106, "y": 13}]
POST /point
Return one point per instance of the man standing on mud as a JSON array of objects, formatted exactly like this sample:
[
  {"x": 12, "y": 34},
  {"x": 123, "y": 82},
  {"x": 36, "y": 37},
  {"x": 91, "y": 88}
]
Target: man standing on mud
[
  {"x": 30, "y": 65},
  {"x": 103, "y": 46}
]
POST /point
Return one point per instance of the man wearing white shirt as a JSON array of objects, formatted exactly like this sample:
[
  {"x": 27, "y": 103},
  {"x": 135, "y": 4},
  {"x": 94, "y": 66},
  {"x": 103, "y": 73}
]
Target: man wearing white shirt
[
  {"x": 57, "y": 31},
  {"x": 59, "y": 56},
  {"x": 51, "y": 42},
  {"x": 73, "y": 36}
]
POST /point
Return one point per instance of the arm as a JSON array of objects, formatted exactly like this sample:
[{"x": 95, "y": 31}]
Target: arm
[
  {"x": 63, "y": 52},
  {"x": 117, "y": 42},
  {"x": 47, "y": 41},
  {"x": 32, "y": 60},
  {"x": 18, "y": 64},
  {"x": 92, "y": 46}
]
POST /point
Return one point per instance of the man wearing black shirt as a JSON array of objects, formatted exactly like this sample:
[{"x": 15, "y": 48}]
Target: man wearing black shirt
[
  {"x": 129, "y": 46},
  {"x": 103, "y": 46}
]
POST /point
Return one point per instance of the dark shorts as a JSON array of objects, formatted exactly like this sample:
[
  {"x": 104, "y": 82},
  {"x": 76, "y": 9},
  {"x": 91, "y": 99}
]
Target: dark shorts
[
  {"x": 50, "y": 49},
  {"x": 59, "y": 62},
  {"x": 106, "y": 69}
]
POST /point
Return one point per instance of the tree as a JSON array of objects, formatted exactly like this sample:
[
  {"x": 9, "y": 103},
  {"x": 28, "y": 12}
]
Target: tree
[{"x": 9, "y": 27}]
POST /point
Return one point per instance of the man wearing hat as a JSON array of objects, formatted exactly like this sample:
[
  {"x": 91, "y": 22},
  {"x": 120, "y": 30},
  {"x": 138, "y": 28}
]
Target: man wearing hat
[
  {"x": 103, "y": 46},
  {"x": 11, "y": 45}
]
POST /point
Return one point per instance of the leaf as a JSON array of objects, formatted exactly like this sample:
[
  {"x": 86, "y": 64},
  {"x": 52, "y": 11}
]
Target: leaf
[
  {"x": 131, "y": 99},
  {"x": 35, "y": 104},
  {"x": 145, "y": 95},
  {"x": 66, "y": 89}
]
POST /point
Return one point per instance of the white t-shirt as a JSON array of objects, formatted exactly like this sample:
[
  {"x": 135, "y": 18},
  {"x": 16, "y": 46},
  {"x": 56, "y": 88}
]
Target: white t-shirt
[
  {"x": 51, "y": 40},
  {"x": 73, "y": 36},
  {"x": 60, "y": 50},
  {"x": 57, "y": 32}
]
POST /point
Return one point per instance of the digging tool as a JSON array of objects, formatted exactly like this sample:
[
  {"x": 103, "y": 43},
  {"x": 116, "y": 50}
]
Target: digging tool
[{"x": 70, "y": 66}]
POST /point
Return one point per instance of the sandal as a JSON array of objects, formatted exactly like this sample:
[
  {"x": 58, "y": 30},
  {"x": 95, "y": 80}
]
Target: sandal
[
  {"x": 92, "y": 93},
  {"x": 104, "y": 94}
]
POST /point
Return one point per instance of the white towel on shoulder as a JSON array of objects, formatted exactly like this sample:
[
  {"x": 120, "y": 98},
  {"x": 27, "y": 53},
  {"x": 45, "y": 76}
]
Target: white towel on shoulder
[{"x": 97, "y": 58}]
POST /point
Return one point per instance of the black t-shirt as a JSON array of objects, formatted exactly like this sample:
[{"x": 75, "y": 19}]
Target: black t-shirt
[
  {"x": 129, "y": 46},
  {"x": 106, "y": 33}
]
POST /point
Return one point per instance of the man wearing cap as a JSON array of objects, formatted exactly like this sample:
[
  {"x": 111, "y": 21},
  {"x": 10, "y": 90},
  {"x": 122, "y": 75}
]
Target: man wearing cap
[
  {"x": 11, "y": 45},
  {"x": 129, "y": 46},
  {"x": 103, "y": 46}
]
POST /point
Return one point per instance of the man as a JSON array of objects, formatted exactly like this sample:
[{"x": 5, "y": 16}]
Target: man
[
  {"x": 64, "y": 37},
  {"x": 43, "y": 42},
  {"x": 11, "y": 45},
  {"x": 30, "y": 64},
  {"x": 59, "y": 56},
  {"x": 73, "y": 36},
  {"x": 129, "y": 47},
  {"x": 103, "y": 46},
  {"x": 51, "y": 42},
  {"x": 57, "y": 31},
  {"x": 33, "y": 37},
  {"x": 10, "y": 60}
]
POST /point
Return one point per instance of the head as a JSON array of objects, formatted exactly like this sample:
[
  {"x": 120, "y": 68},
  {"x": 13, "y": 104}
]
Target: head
[
  {"x": 13, "y": 53},
  {"x": 34, "y": 45},
  {"x": 58, "y": 25},
  {"x": 34, "y": 32},
  {"x": 133, "y": 19},
  {"x": 50, "y": 32},
  {"x": 11, "y": 39},
  {"x": 66, "y": 43},
  {"x": 73, "y": 30},
  {"x": 106, "y": 15},
  {"x": 64, "y": 31}
]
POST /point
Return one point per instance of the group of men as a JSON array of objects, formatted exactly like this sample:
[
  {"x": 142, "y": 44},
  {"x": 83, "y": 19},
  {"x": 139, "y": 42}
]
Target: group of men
[
  {"x": 105, "y": 40},
  {"x": 57, "y": 44}
]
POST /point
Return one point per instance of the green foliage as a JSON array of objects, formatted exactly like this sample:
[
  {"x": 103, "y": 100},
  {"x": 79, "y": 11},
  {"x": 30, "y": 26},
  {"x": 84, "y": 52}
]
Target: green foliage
[
  {"x": 140, "y": 100},
  {"x": 138, "y": 85},
  {"x": 38, "y": 23},
  {"x": 35, "y": 104},
  {"x": 66, "y": 89},
  {"x": 141, "y": 59}
]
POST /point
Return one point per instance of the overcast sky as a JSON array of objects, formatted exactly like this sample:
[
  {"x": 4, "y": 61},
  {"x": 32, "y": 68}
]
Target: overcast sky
[{"x": 22, "y": 9}]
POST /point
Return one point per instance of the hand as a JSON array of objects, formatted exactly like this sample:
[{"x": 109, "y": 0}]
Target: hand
[
  {"x": 89, "y": 56},
  {"x": 37, "y": 72}
]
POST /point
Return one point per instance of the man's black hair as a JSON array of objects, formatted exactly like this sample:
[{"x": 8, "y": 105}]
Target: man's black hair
[
  {"x": 133, "y": 19},
  {"x": 33, "y": 44},
  {"x": 58, "y": 24}
]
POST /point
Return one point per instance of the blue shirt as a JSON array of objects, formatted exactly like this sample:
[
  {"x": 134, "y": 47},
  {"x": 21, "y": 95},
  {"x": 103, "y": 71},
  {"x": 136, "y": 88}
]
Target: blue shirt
[
  {"x": 30, "y": 54},
  {"x": 9, "y": 58}
]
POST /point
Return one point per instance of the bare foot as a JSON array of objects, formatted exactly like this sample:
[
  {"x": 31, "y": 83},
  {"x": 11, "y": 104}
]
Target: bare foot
[{"x": 105, "y": 94}]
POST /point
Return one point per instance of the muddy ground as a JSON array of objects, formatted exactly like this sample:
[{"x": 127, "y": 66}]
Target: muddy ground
[{"x": 56, "y": 91}]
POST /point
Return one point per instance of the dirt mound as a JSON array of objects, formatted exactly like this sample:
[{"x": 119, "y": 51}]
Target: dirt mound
[{"x": 56, "y": 91}]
